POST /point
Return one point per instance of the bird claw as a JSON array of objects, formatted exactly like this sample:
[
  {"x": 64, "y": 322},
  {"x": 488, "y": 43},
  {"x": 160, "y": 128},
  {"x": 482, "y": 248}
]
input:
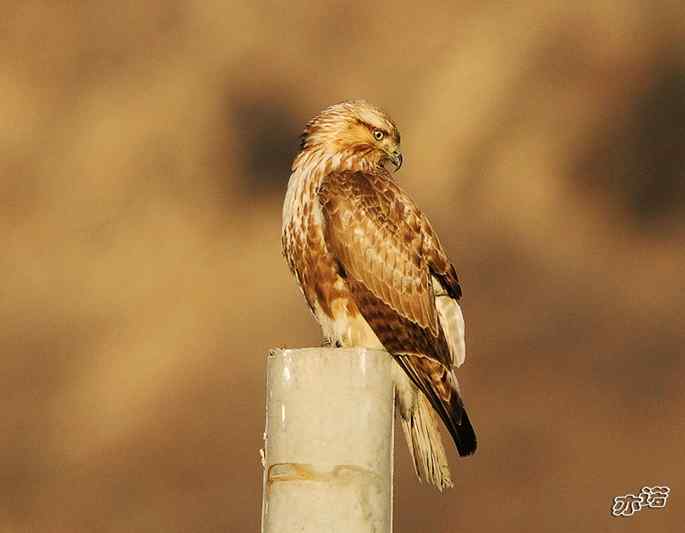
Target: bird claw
[{"x": 328, "y": 343}]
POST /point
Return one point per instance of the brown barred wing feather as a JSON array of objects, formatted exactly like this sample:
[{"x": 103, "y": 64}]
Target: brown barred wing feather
[{"x": 388, "y": 254}]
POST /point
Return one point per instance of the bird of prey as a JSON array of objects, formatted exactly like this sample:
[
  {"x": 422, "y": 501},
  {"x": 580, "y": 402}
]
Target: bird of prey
[{"x": 374, "y": 274}]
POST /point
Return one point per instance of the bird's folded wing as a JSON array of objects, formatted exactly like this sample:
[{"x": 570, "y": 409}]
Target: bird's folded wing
[{"x": 378, "y": 237}]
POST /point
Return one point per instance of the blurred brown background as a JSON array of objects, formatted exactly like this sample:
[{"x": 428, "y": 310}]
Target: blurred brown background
[{"x": 144, "y": 155}]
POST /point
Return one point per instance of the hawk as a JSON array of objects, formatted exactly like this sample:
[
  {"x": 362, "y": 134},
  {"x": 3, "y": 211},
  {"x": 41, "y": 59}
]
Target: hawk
[{"x": 375, "y": 275}]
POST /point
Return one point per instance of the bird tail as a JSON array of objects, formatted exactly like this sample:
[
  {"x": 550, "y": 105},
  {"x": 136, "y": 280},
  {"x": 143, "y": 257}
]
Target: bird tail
[
  {"x": 425, "y": 445},
  {"x": 421, "y": 430}
]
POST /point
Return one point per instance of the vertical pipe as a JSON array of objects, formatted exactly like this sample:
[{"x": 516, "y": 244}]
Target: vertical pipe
[{"x": 328, "y": 441}]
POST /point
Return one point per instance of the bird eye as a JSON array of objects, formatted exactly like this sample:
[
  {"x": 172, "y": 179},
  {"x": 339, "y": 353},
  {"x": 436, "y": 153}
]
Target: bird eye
[{"x": 378, "y": 135}]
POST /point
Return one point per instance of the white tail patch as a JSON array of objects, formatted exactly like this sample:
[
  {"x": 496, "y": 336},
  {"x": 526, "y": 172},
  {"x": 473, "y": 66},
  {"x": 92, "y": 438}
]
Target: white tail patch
[{"x": 452, "y": 322}]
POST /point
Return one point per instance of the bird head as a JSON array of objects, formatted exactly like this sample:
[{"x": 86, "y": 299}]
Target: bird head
[{"x": 355, "y": 128}]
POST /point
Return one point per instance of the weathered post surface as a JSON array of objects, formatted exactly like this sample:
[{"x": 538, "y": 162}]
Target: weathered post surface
[{"x": 328, "y": 441}]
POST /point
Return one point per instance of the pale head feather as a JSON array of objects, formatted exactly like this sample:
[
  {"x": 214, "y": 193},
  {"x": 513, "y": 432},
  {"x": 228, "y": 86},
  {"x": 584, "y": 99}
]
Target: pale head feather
[{"x": 347, "y": 133}]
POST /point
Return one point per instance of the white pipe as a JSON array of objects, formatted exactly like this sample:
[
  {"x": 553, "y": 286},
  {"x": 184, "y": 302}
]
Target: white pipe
[{"x": 328, "y": 441}]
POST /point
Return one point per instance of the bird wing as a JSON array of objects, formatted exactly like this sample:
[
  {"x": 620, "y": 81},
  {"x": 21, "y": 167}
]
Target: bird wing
[
  {"x": 376, "y": 234},
  {"x": 383, "y": 241},
  {"x": 393, "y": 264}
]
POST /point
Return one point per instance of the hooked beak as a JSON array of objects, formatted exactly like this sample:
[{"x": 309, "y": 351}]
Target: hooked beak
[{"x": 396, "y": 159}]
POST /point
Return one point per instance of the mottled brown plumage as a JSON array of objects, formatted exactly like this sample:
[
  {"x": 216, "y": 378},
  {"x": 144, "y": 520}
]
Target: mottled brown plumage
[{"x": 374, "y": 273}]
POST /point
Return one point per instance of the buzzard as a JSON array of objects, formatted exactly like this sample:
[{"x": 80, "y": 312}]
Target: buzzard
[{"x": 374, "y": 274}]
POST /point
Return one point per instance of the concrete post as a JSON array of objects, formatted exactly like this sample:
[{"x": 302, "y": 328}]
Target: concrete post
[{"x": 328, "y": 442}]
